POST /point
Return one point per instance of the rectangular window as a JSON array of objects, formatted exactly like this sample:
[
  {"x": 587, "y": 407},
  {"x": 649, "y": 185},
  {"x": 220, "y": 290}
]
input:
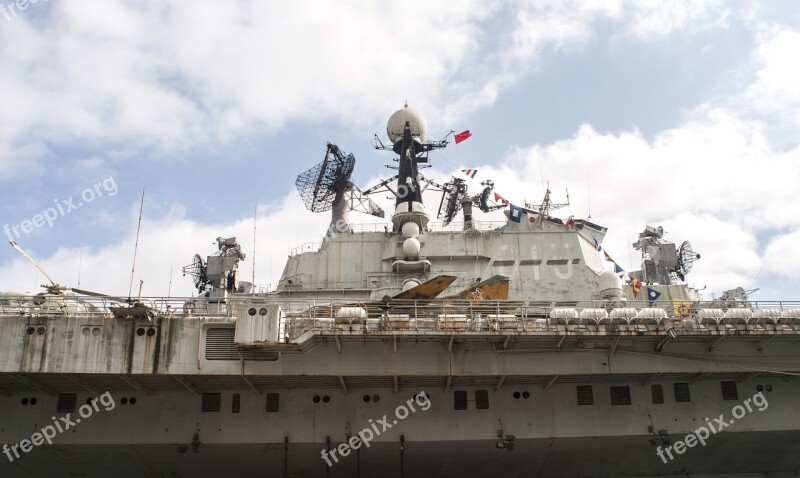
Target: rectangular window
[
  {"x": 235, "y": 403},
  {"x": 211, "y": 402},
  {"x": 482, "y": 399},
  {"x": 460, "y": 400},
  {"x": 273, "y": 402},
  {"x": 681, "y": 392},
  {"x": 620, "y": 395},
  {"x": 66, "y": 402},
  {"x": 585, "y": 395},
  {"x": 657, "y": 391},
  {"x": 729, "y": 391}
]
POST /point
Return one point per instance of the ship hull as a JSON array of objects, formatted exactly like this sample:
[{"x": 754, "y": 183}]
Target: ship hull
[{"x": 734, "y": 454}]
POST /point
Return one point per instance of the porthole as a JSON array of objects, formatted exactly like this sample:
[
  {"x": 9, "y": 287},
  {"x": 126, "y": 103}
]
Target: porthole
[
  {"x": 123, "y": 401},
  {"x": 366, "y": 398},
  {"x": 262, "y": 311},
  {"x": 326, "y": 399},
  {"x": 96, "y": 331},
  {"x": 768, "y": 387},
  {"x": 517, "y": 395},
  {"x": 316, "y": 399},
  {"x": 132, "y": 401},
  {"x": 151, "y": 332},
  {"x": 140, "y": 331},
  {"x": 33, "y": 401},
  {"x": 251, "y": 311},
  {"x": 40, "y": 330},
  {"x": 526, "y": 395},
  {"x": 24, "y": 401},
  {"x": 759, "y": 388},
  {"x": 85, "y": 331},
  {"x": 376, "y": 398}
]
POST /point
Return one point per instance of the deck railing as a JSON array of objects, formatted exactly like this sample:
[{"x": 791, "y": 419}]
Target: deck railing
[{"x": 428, "y": 314}]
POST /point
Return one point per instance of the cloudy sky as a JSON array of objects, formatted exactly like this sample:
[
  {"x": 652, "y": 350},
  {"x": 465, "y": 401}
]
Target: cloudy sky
[{"x": 682, "y": 113}]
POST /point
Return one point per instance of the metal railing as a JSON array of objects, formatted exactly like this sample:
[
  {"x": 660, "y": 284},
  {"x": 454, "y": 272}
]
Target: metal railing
[{"x": 443, "y": 315}]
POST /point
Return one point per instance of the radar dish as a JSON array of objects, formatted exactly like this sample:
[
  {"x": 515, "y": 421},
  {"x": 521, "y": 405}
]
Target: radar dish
[
  {"x": 686, "y": 258},
  {"x": 453, "y": 195},
  {"x": 324, "y": 184},
  {"x": 197, "y": 271}
]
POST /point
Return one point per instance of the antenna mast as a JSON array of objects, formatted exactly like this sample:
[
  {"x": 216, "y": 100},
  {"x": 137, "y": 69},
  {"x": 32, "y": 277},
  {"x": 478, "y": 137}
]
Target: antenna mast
[
  {"x": 255, "y": 222},
  {"x": 136, "y": 247}
]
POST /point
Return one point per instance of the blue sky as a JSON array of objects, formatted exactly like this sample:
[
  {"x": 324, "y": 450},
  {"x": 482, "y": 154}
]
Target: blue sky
[{"x": 677, "y": 113}]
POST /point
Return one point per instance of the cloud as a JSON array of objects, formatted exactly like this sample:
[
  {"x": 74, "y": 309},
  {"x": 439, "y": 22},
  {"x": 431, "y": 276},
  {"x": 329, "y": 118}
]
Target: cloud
[
  {"x": 122, "y": 74},
  {"x": 177, "y": 75},
  {"x": 169, "y": 242},
  {"x": 783, "y": 255},
  {"x": 774, "y": 97}
]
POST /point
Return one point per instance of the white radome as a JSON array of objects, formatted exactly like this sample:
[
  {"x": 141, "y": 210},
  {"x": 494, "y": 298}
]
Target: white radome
[
  {"x": 410, "y": 284},
  {"x": 410, "y": 229},
  {"x": 397, "y": 122},
  {"x": 411, "y": 247}
]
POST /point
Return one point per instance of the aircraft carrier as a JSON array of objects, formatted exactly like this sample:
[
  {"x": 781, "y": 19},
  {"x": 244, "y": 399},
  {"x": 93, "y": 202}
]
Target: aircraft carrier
[{"x": 431, "y": 345}]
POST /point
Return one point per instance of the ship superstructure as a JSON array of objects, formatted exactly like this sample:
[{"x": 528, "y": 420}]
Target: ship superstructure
[{"x": 474, "y": 349}]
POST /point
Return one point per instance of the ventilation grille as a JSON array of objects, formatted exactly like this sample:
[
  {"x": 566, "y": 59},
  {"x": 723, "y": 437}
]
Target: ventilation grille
[
  {"x": 482, "y": 399},
  {"x": 273, "y": 402},
  {"x": 211, "y": 402},
  {"x": 729, "y": 391},
  {"x": 585, "y": 395},
  {"x": 658, "y": 394},
  {"x": 460, "y": 400},
  {"x": 620, "y": 395},
  {"x": 235, "y": 403},
  {"x": 681, "y": 392},
  {"x": 66, "y": 402},
  {"x": 220, "y": 345}
]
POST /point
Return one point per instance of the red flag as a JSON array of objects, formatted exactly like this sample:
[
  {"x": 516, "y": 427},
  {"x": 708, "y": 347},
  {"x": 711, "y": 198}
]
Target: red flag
[
  {"x": 636, "y": 285},
  {"x": 499, "y": 198},
  {"x": 462, "y": 136},
  {"x": 570, "y": 222}
]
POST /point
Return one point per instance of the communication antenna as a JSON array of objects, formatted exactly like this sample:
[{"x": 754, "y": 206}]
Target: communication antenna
[
  {"x": 484, "y": 200},
  {"x": 136, "y": 245},
  {"x": 255, "y": 221},
  {"x": 169, "y": 287},
  {"x": 54, "y": 287},
  {"x": 453, "y": 194}
]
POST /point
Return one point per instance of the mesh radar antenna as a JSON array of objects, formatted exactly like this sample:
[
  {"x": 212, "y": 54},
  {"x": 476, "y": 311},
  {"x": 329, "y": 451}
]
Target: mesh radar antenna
[
  {"x": 197, "y": 271},
  {"x": 327, "y": 186},
  {"x": 686, "y": 259}
]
